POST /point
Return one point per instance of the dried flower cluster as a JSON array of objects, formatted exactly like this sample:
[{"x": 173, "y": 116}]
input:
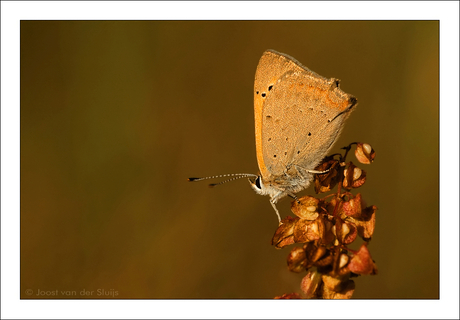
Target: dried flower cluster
[{"x": 327, "y": 226}]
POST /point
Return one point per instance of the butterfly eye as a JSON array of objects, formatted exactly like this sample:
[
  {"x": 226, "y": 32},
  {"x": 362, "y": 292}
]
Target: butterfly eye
[{"x": 258, "y": 183}]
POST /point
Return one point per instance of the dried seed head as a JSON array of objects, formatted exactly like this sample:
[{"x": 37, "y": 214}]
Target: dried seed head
[
  {"x": 354, "y": 177},
  {"x": 347, "y": 289},
  {"x": 326, "y": 181},
  {"x": 297, "y": 260},
  {"x": 361, "y": 262},
  {"x": 310, "y": 284},
  {"x": 366, "y": 223},
  {"x": 305, "y": 207},
  {"x": 306, "y": 231},
  {"x": 364, "y": 153},
  {"x": 284, "y": 235},
  {"x": 352, "y": 207}
]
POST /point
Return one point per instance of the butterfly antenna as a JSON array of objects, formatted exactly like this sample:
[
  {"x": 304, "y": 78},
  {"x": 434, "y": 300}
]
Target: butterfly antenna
[{"x": 234, "y": 176}]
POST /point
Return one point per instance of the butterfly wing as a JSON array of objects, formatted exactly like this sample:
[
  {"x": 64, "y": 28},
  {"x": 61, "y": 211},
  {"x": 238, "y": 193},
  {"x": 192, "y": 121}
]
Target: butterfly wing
[
  {"x": 272, "y": 66},
  {"x": 299, "y": 117}
]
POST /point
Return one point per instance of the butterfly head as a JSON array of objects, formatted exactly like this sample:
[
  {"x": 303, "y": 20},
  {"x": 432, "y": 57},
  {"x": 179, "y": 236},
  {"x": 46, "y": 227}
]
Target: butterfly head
[{"x": 259, "y": 187}]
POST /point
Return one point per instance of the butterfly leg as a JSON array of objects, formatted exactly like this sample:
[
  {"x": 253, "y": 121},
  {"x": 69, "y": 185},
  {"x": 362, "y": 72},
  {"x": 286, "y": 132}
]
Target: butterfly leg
[
  {"x": 313, "y": 171},
  {"x": 316, "y": 171},
  {"x": 276, "y": 210}
]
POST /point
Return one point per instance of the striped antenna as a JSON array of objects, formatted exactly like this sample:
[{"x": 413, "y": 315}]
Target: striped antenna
[{"x": 234, "y": 176}]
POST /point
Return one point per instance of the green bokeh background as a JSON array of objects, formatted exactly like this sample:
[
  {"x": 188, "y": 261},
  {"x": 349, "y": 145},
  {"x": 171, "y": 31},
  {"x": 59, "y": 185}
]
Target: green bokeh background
[{"x": 115, "y": 115}]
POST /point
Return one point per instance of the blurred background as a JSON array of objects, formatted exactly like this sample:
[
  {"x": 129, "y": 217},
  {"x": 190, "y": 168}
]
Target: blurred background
[{"x": 116, "y": 115}]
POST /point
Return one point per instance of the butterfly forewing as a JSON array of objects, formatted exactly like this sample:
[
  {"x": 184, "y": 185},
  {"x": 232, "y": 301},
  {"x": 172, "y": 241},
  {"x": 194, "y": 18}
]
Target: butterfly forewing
[{"x": 272, "y": 66}]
